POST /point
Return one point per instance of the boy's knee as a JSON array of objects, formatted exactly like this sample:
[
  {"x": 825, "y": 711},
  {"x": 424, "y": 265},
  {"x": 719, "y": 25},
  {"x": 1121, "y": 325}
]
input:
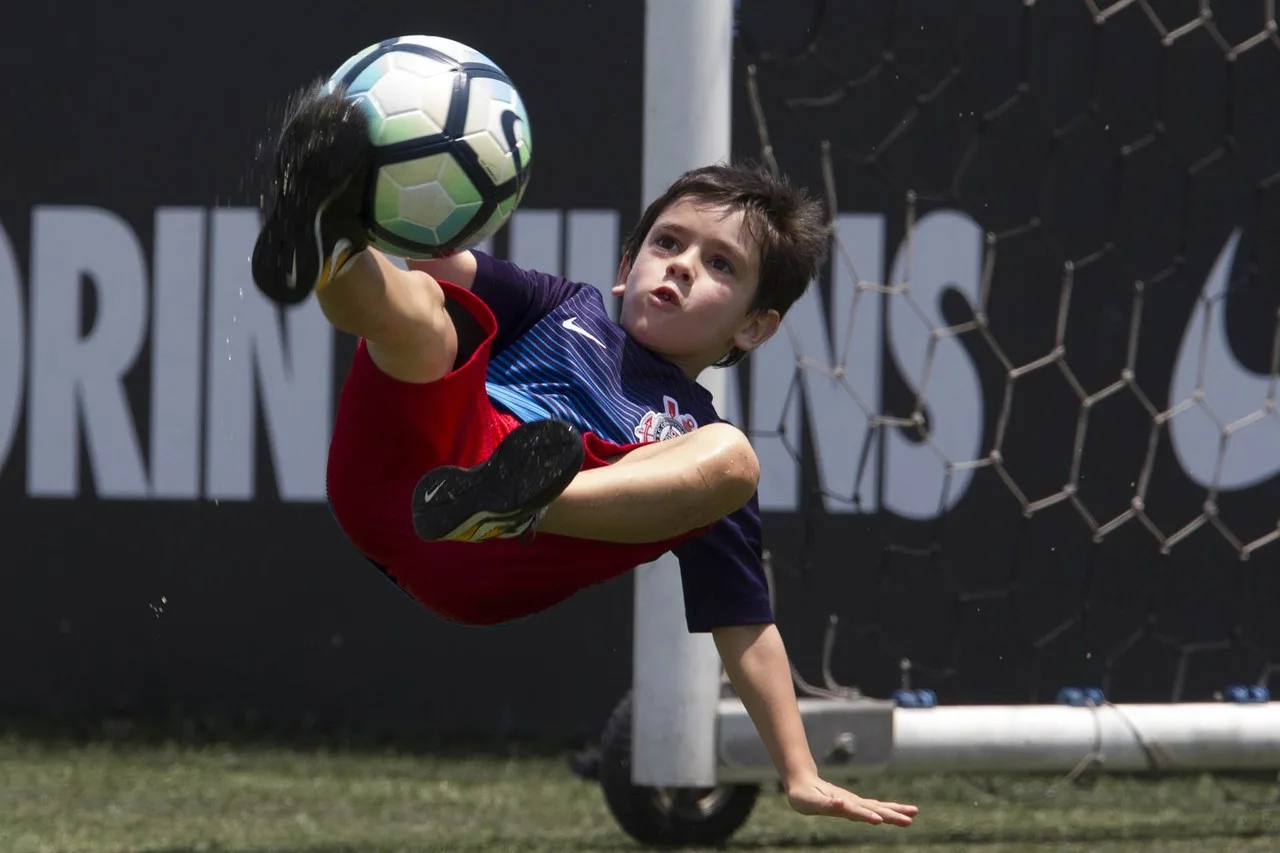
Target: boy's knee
[{"x": 736, "y": 468}]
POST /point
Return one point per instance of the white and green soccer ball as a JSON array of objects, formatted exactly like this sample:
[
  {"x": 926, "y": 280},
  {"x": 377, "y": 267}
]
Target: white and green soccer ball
[{"x": 451, "y": 141}]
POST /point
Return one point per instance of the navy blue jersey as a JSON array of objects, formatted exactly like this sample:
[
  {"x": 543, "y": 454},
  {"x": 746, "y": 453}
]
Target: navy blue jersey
[{"x": 557, "y": 354}]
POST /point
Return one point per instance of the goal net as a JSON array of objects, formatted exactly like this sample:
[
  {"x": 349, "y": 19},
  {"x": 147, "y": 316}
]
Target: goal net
[{"x": 1022, "y": 436}]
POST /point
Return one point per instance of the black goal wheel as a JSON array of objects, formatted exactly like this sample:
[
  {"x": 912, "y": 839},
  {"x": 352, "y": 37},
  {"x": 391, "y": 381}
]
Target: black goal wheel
[{"x": 666, "y": 817}]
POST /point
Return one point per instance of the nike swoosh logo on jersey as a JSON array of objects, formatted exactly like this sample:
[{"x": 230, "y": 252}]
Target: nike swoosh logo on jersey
[{"x": 572, "y": 325}]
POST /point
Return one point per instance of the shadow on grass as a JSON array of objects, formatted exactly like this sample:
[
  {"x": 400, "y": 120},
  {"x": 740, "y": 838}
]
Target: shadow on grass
[
  {"x": 209, "y": 731},
  {"x": 966, "y": 838},
  {"x": 970, "y": 838}
]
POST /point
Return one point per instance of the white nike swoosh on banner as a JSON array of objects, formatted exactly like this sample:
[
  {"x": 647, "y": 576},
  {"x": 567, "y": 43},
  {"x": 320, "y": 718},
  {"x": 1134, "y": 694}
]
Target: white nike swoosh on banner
[
  {"x": 572, "y": 325},
  {"x": 1232, "y": 392}
]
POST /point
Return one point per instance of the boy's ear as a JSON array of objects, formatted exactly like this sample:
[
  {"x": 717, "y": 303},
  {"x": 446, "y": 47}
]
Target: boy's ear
[
  {"x": 758, "y": 329},
  {"x": 624, "y": 269}
]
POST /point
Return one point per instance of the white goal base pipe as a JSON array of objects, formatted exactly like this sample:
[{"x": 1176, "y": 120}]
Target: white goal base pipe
[
  {"x": 851, "y": 738},
  {"x": 1050, "y": 738}
]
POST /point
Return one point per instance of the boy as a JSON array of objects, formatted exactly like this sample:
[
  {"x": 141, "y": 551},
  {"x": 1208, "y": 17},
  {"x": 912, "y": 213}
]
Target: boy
[{"x": 500, "y": 443}]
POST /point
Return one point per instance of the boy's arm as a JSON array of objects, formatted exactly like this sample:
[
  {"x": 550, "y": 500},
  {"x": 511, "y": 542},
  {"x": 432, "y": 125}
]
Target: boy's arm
[
  {"x": 726, "y": 593},
  {"x": 756, "y": 661}
]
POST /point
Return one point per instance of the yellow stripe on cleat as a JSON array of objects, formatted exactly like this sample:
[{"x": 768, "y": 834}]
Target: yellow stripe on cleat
[{"x": 334, "y": 264}]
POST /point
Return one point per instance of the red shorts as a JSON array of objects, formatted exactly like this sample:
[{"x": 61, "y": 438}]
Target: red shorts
[{"x": 388, "y": 433}]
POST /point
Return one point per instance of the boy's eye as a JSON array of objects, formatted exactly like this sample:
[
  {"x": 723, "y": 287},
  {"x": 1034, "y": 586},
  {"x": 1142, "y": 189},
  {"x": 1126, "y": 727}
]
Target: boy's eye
[
  {"x": 722, "y": 265},
  {"x": 665, "y": 241}
]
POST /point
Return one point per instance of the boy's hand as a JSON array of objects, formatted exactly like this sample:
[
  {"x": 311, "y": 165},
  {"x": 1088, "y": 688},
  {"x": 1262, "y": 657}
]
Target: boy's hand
[
  {"x": 817, "y": 797},
  {"x": 756, "y": 662}
]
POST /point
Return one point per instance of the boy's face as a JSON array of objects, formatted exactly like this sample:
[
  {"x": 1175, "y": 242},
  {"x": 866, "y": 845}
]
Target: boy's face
[{"x": 686, "y": 293}]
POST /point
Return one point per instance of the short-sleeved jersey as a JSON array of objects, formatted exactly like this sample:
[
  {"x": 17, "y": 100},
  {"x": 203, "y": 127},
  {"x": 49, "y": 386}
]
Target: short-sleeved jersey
[{"x": 557, "y": 354}]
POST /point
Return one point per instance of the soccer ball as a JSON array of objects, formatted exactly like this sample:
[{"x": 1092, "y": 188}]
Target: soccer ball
[{"x": 451, "y": 142}]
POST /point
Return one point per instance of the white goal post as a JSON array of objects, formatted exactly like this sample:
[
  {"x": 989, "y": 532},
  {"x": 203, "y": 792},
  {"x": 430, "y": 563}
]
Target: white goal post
[{"x": 688, "y": 96}]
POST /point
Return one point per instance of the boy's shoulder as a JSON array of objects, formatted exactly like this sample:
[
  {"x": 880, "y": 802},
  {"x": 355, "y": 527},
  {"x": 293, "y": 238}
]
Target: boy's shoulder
[{"x": 580, "y": 335}]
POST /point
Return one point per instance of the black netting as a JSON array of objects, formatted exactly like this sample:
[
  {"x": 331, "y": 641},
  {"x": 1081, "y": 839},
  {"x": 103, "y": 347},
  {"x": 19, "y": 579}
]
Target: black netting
[{"x": 1116, "y": 521}]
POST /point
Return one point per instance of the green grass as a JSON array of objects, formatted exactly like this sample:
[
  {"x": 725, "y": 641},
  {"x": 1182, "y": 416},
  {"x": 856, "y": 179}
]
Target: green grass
[{"x": 104, "y": 799}]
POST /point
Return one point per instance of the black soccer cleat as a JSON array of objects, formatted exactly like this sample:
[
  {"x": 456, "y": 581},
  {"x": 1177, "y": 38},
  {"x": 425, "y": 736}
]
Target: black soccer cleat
[
  {"x": 504, "y": 496},
  {"x": 312, "y": 225}
]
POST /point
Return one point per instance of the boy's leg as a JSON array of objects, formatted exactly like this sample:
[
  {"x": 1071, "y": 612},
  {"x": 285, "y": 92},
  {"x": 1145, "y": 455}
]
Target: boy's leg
[
  {"x": 313, "y": 240},
  {"x": 659, "y": 491},
  {"x": 415, "y": 397},
  {"x": 403, "y": 316},
  {"x": 651, "y": 493}
]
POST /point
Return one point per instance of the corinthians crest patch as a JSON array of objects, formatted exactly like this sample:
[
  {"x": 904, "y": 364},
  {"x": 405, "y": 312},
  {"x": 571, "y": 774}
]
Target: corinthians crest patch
[{"x": 669, "y": 423}]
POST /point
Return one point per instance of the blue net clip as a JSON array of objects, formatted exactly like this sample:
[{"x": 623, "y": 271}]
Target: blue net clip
[
  {"x": 1246, "y": 694},
  {"x": 1081, "y": 697},
  {"x": 915, "y": 698}
]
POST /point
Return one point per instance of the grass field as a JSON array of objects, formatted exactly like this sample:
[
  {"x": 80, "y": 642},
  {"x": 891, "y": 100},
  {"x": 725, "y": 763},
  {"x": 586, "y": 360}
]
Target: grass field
[{"x": 113, "y": 799}]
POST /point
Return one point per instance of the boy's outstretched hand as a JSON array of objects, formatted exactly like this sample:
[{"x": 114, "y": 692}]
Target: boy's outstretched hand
[
  {"x": 757, "y": 664},
  {"x": 818, "y": 797}
]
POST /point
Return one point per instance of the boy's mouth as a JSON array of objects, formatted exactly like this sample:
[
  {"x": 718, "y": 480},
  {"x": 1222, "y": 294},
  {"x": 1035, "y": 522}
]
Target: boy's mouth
[{"x": 666, "y": 295}]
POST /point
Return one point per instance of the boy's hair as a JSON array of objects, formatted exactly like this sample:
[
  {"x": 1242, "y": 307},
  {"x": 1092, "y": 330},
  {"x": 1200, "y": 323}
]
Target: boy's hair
[{"x": 784, "y": 221}]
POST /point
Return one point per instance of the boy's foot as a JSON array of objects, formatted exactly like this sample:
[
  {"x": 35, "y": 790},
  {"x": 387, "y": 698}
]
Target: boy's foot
[
  {"x": 505, "y": 495},
  {"x": 312, "y": 226}
]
